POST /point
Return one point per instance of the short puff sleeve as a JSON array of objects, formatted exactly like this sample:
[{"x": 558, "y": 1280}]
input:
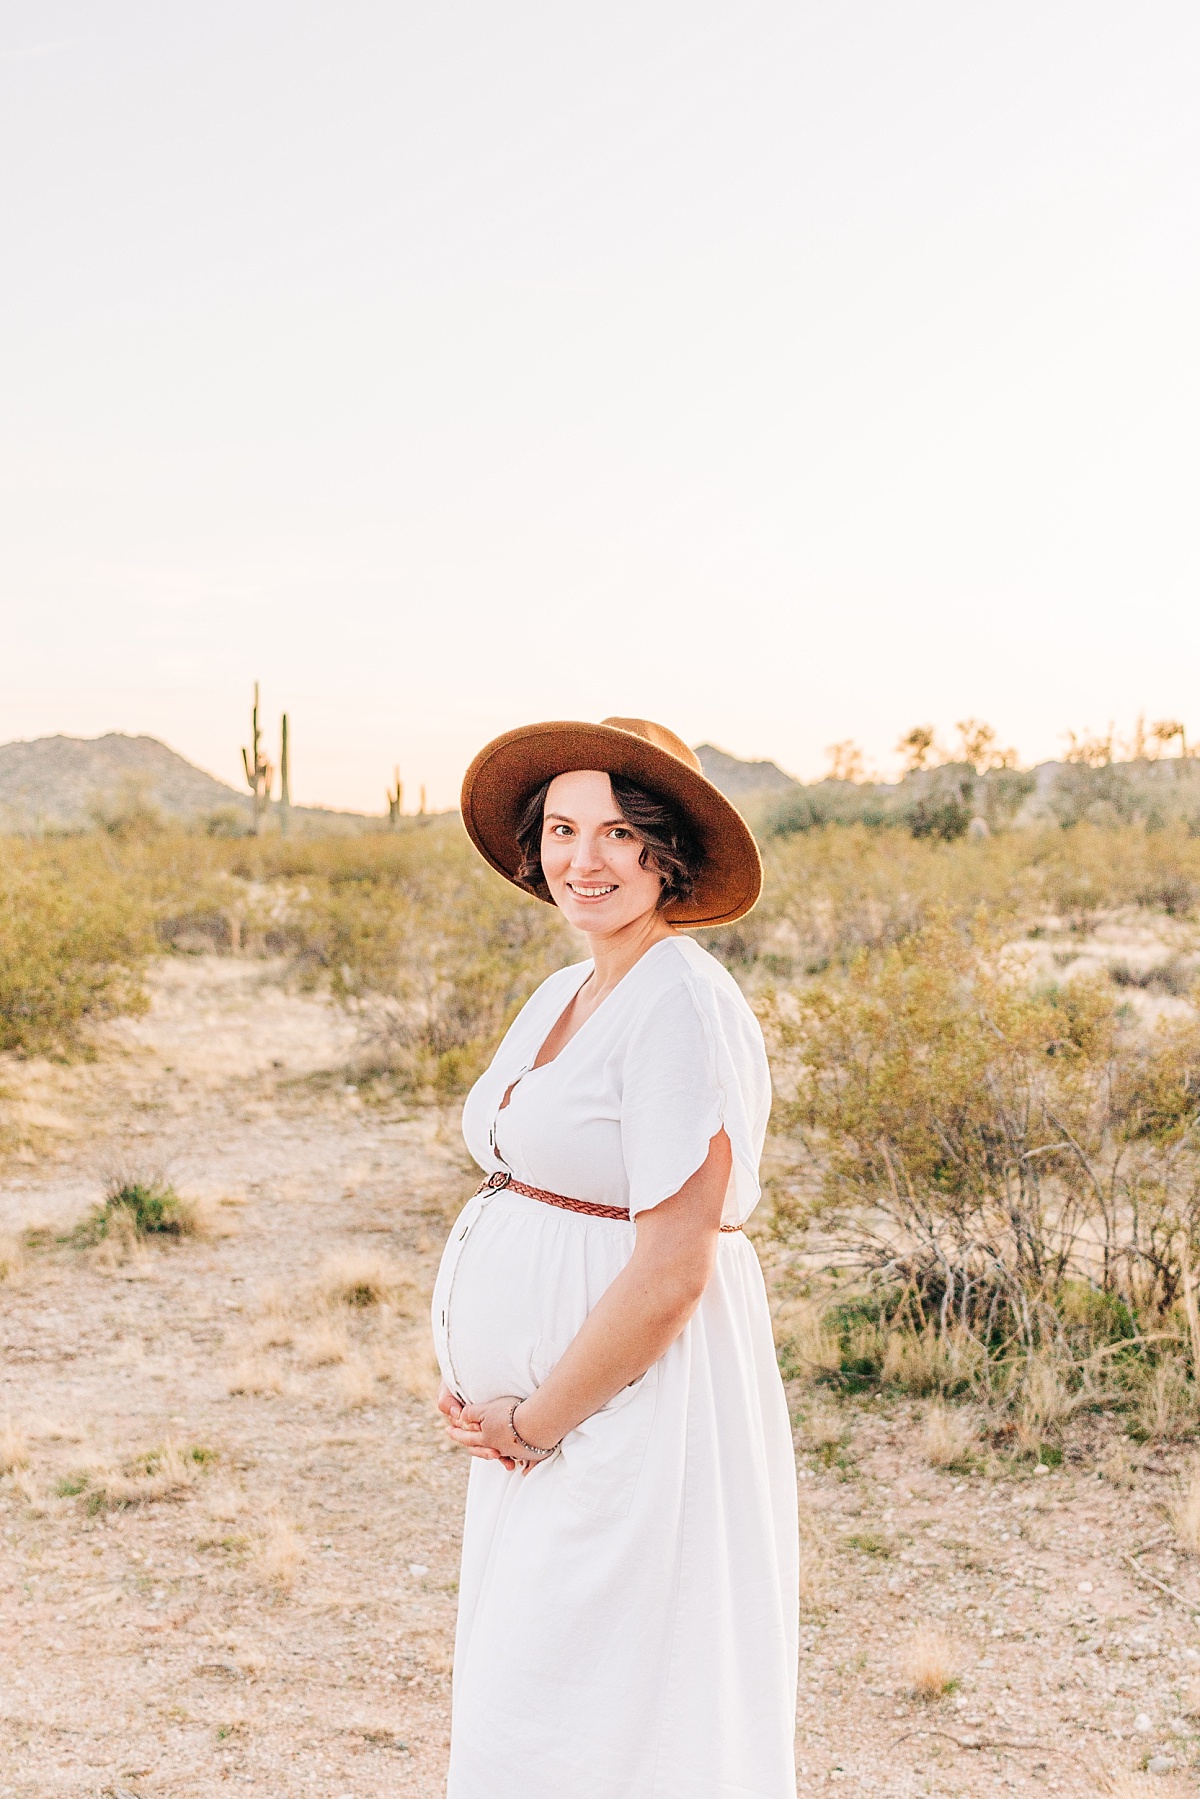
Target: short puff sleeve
[{"x": 694, "y": 1063}]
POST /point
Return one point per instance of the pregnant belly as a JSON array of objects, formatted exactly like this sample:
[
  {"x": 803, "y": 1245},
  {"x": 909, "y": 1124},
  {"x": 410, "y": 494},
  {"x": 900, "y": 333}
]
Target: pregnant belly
[{"x": 516, "y": 1282}]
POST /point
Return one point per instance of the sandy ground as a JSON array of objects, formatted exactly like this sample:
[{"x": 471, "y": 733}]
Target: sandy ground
[{"x": 266, "y": 1598}]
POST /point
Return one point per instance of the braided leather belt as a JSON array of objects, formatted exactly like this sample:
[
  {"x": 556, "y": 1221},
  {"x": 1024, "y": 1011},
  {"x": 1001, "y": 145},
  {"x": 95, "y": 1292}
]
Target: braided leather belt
[{"x": 589, "y": 1207}]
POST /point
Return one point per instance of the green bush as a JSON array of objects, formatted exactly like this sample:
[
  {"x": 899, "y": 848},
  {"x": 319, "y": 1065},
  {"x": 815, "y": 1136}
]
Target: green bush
[
  {"x": 73, "y": 941},
  {"x": 137, "y": 1208}
]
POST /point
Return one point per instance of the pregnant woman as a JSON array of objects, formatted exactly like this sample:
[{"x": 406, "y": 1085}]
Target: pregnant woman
[{"x": 628, "y": 1602}]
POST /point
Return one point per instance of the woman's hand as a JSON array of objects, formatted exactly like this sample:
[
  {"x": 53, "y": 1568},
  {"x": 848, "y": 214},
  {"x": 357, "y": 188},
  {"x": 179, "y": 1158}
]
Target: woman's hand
[
  {"x": 485, "y": 1431},
  {"x": 452, "y": 1409},
  {"x": 449, "y": 1404}
]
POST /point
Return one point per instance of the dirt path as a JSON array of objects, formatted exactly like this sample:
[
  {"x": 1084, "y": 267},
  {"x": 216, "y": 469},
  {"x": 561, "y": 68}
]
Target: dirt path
[{"x": 230, "y": 1544}]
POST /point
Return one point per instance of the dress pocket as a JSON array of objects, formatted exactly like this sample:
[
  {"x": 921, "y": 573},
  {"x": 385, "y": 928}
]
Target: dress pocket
[{"x": 602, "y": 1459}]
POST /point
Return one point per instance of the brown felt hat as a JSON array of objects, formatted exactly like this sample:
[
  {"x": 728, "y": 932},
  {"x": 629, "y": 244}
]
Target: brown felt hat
[{"x": 507, "y": 770}]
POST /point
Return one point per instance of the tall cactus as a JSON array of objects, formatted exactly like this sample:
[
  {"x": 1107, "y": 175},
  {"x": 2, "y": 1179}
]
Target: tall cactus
[
  {"x": 395, "y": 802},
  {"x": 285, "y": 791},
  {"x": 259, "y": 773}
]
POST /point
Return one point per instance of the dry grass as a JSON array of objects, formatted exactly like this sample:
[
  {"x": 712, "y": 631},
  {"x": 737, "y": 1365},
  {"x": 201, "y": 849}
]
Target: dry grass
[
  {"x": 30, "y": 1492},
  {"x": 163, "y": 1473},
  {"x": 272, "y": 1332},
  {"x": 807, "y": 1348},
  {"x": 1118, "y": 1785},
  {"x": 1046, "y": 1403},
  {"x": 256, "y": 1375},
  {"x": 205, "y": 1218},
  {"x": 414, "y": 1366},
  {"x": 1185, "y": 1513},
  {"x": 272, "y": 1300},
  {"x": 326, "y": 1344},
  {"x": 931, "y": 1665},
  {"x": 1166, "y": 1405},
  {"x": 14, "y": 1452},
  {"x": 356, "y": 1383},
  {"x": 12, "y": 1260},
  {"x": 948, "y": 1438},
  {"x": 813, "y": 1562},
  {"x": 825, "y": 1432},
  {"x": 224, "y": 1504},
  {"x": 360, "y": 1279},
  {"x": 925, "y": 1362},
  {"x": 279, "y": 1555},
  {"x": 120, "y": 1245},
  {"x": 1119, "y": 1468}
]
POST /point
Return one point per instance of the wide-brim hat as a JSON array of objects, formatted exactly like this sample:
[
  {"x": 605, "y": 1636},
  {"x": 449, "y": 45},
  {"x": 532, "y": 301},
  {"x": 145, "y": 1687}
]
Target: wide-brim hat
[{"x": 507, "y": 770}]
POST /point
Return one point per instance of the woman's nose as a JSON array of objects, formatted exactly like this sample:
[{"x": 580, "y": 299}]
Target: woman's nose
[{"x": 587, "y": 855}]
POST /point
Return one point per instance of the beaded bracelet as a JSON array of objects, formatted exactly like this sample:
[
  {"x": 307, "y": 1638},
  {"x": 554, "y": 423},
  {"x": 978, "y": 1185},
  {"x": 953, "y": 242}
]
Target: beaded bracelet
[{"x": 532, "y": 1448}]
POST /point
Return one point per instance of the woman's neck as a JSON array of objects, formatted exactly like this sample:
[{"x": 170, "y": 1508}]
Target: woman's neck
[{"x": 613, "y": 955}]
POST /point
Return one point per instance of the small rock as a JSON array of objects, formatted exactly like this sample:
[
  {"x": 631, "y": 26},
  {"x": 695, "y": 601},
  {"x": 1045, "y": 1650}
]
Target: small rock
[
  {"x": 419, "y": 1568},
  {"x": 1160, "y": 1764},
  {"x": 1142, "y": 1723},
  {"x": 1085, "y": 1586},
  {"x": 1042, "y": 1468}
]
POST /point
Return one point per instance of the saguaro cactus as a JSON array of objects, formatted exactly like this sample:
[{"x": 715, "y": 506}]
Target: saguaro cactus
[
  {"x": 395, "y": 800},
  {"x": 259, "y": 773},
  {"x": 285, "y": 791}
]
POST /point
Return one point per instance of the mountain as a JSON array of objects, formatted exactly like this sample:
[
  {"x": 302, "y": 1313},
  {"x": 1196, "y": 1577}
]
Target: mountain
[
  {"x": 736, "y": 779},
  {"x": 67, "y": 783}
]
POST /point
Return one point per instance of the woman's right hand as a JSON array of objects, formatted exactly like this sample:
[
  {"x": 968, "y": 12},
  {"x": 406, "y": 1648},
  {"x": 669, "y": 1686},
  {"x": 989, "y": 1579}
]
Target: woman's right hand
[{"x": 449, "y": 1404}]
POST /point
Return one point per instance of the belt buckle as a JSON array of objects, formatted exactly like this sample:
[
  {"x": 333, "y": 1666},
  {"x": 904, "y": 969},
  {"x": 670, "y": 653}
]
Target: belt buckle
[{"x": 497, "y": 1180}]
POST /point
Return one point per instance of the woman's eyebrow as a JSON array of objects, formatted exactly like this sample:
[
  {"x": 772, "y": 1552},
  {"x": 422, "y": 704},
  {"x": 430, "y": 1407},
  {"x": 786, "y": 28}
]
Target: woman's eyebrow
[{"x": 563, "y": 818}]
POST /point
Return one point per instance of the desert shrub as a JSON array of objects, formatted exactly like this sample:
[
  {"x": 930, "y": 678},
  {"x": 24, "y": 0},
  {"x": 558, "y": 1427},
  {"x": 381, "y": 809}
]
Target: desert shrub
[
  {"x": 829, "y": 893},
  {"x": 942, "y": 803},
  {"x": 828, "y": 803},
  {"x": 983, "y": 1140},
  {"x": 931, "y": 1665},
  {"x": 435, "y": 950},
  {"x": 73, "y": 940},
  {"x": 138, "y": 1207}
]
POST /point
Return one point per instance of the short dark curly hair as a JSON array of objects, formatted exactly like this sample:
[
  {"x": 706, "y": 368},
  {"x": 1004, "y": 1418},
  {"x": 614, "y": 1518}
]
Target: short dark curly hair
[{"x": 670, "y": 844}]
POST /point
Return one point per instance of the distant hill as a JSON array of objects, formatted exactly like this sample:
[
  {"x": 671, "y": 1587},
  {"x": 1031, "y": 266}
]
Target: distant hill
[
  {"x": 67, "y": 783},
  {"x": 736, "y": 779}
]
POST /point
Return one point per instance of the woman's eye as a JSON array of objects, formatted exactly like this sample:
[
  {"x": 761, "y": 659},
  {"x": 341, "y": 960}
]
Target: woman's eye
[{"x": 620, "y": 831}]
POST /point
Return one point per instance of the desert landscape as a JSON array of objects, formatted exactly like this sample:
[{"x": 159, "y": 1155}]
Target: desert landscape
[{"x": 230, "y": 1518}]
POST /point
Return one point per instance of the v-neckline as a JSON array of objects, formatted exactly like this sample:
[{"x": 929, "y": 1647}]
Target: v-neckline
[{"x": 536, "y": 1067}]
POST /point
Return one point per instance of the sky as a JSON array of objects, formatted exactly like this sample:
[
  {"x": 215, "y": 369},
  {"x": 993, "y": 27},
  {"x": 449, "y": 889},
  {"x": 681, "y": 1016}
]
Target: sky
[{"x": 785, "y": 372}]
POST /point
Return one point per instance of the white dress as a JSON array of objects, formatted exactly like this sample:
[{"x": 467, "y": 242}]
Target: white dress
[{"x": 628, "y": 1610}]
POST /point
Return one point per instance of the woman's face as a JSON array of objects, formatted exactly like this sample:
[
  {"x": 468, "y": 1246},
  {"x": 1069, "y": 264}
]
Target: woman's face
[{"x": 590, "y": 856}]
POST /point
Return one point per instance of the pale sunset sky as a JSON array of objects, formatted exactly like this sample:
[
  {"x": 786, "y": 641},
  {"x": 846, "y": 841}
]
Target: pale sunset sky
[{"x": 784, "y": 371}]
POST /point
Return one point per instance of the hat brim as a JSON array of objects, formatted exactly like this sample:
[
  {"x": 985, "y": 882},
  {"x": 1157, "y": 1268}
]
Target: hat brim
[{"x": 507, "y": 770}]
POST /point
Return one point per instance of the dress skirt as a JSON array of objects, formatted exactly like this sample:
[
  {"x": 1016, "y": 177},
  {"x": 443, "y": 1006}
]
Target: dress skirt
[{"x": 627, "y": 1610}]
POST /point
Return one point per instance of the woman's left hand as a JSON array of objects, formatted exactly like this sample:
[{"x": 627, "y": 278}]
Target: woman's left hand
[{"x": 485, "y": 1431}]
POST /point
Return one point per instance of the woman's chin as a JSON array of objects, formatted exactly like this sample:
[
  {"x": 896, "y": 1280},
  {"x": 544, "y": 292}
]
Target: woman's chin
[{"x": 592, "y": 916}]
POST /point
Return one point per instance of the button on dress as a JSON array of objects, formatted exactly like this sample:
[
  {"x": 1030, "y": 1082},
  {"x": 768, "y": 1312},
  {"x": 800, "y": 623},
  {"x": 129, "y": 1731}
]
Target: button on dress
[{"x": 627, "y": 1610}]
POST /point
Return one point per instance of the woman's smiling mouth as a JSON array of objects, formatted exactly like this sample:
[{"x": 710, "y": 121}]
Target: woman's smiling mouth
[{"x": 591, "y": 891}]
